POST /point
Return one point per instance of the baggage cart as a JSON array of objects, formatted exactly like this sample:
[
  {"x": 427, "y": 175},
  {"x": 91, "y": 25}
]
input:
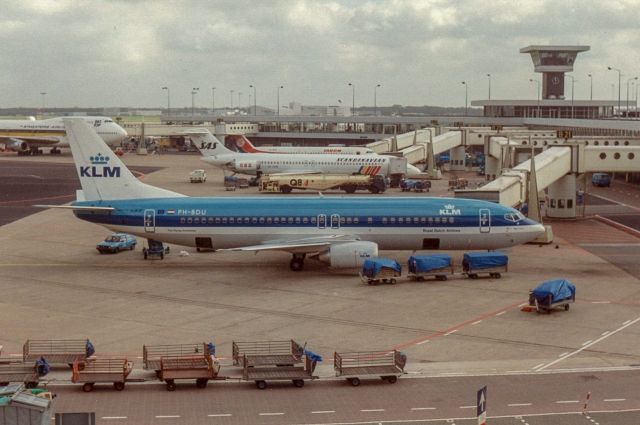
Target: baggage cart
[
  {"x": 151, "y": 353},
  {"x": 26, "y": 372},
  {"x": 202, "y": 368},
  {"x": 380, "y": 270},
  {"x": 267, "y": 353},
  {"x": 358, "y": 364},
  {"x": 492, "y": 263},
  {"x": 296, "y": 374},
  {"x": 552, "y": 294},
  {"x": 230, "y": 182},
  {"x": 110, "y": 370},
  {"x": 63, "y": 351},
  {"x": 436, "y": 265}
]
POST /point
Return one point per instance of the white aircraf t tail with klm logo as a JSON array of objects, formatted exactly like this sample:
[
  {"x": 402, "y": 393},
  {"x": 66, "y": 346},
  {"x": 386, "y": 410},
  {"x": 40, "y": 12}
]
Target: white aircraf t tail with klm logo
[{"x": 102, "y": 175}]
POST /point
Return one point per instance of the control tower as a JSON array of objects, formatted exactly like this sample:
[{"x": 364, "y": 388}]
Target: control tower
[{"x": 553, "y": 62}]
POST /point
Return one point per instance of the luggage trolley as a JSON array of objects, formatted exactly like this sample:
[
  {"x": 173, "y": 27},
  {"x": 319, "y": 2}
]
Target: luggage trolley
[
  {"x": 436, "y": 265},
  {"x": 380, "y": 270}
]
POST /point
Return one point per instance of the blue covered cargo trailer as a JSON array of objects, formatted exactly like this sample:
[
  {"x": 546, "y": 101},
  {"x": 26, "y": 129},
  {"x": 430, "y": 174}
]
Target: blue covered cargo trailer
[
  {"x": 493, "y": 263},
  {"x": 380, "y": 270},
  {"x": 435, "y": 265},
  {"x": 551, "y": 294}
]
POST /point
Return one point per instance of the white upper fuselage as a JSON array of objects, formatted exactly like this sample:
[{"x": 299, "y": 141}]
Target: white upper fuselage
[
  {"x": 51, "y": 132},
  {"x": 273, "y": 163}
]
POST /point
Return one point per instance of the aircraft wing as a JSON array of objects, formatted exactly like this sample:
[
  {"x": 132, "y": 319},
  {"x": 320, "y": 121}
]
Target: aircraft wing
[
  {"x": 298, "y": 246},
  {"x": 31, "y": 140},
  {"x": 294, "y": 173}
]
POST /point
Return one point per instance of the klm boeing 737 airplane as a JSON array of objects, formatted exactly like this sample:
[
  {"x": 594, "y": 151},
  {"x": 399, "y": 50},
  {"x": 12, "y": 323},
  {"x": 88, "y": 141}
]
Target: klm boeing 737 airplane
[{"x": 340, "y": 231}]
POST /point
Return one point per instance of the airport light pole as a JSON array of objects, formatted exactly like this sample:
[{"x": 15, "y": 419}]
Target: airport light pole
[
  {"x": 44, "y": 93},
  {"x": 168, "y": 100},
  {"x": 278, "y": 90},
  {"x": 213, "y": 100},
  {"x": 254, "y": 99},
  {"x": 466, "y": 96},
  {"x": 590, "y": 87},
  {"x": 231, "y": 95},
  {"x": 194, "y": 91},
  {"x": 537, "y": 93},
  {"x": 636, "y": 101},
  {"x": 610, "y": 68},
  {"x": 489, "y": 78},
  {"x": 353, "y": 99},
  {"x": 375, "y": 100},
  {"x": 630, "y": 79},
  {"x": 240, "y": 99},
  {"x": 573, "y": 80}
]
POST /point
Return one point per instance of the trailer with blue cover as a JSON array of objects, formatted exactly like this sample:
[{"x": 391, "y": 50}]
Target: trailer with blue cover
[
  {"x": 551, "y": 294},
  {"x": 380, "y": 270},
  {"x": 493, "y": 263},
  {"x": 435, "y": 265}
]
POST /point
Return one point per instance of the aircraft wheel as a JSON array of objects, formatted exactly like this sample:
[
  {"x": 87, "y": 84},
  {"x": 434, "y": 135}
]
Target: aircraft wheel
[
  {"x": 296, "y": 264},
  {"x": 261, "y": 385},
  {"x": 87, "y": 387},
  {"x": 354, "y": 381},
  {"x": 119, "y": 386},
  {"x": 299, "y": 383}
]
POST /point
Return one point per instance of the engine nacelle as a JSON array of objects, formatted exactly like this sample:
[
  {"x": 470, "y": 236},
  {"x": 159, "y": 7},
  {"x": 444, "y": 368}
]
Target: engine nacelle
[
  {"x": 16, "y": 145},
  {"x": 349, "y": 254},
  {"x": 245, "y": 165}
]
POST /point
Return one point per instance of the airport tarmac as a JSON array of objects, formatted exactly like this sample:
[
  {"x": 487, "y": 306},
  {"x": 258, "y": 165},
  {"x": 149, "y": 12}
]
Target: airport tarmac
[{"x": 54, "y": 284}]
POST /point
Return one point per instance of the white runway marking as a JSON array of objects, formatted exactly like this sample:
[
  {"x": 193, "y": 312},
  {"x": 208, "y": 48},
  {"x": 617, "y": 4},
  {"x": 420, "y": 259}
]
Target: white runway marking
[
  {"x": 272, "y": 414},
  {"x": 567, "y": 355},
  {"x": 537, "y": 366},
  {"x": 588, "y": 342},
  {"x": 450, "y": 332},
  {"x": 564, "y": 354},
  {"x": 323, "y": 411},
  {"x": 615, "y": 399},
  {"x": 423, "y": 408},
  {"x": 518, "y": 404},
  {"x": 501, "y": 313},
  {"x": 476, "y": 322},
  {"x": 120, "y": 417},
  {"x": 600, "y": 302},
  {"x": 372, "y": 410},
  {"x": 219, "y": 415},
  {"x": 423, "y": 342},
  {"x": 167, "y": 416},
  {"x": 468, "y": 407},
  {"x": 567, "y": 401}
]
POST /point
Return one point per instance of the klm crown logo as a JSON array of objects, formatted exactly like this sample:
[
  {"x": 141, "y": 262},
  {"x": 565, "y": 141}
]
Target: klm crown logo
[
  {"x": 450, "y": 209},
  {"x": 99, "y": 159},
  {"x": 99, "y": 168}
]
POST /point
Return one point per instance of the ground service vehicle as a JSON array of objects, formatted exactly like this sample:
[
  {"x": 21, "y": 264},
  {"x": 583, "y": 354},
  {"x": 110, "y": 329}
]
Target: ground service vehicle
[
  {"x": 285, "y": 183},
  {"x": 262, "y": 373},
  {"x": 380, "y": 270},
  {"x": 256, "y": 353},
  {"x": 114, "y": 370},
  {"x": 492, "y": 263},
  {"x": 28, "y": 373},
  {"x": 601, "y": 179},
  {"x": 155, "y": 250},
  {"x": 63, "y": 351},
  {"x": 200, "y": 367},
  {"x": 151, "y": 354},
  {"x": 117, "y": 242},
  {"x": 357, "y": 364},
  {"x": 436, "y": 265},
  {"x": 198, "y": 176},
  {"x": 551, "y": 294}
]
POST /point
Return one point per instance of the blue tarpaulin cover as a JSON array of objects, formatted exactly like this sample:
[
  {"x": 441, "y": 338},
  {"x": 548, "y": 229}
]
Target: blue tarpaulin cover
[
  {"x": 426, "y": 263},
  {"x": 373, "y": 266},
  {"x": 43, "y": 366},
  {"x": 90, "y": 349},
  {"x": 313, "y": 356},
  {"x": 559, "y": 289},
  {"x": 212, "y": 349},
  {"x": 484, "y": 260}
]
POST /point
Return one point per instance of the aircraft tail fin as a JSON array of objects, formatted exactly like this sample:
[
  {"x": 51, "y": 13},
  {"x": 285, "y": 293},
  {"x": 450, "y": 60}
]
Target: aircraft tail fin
[
  {"x": 243, "y": 143},
  {"x": 207, "y": 143},
  {"x": 102, "y": 175}
]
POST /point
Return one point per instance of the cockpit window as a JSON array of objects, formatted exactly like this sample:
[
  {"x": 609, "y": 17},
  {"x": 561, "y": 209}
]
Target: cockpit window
[{"x": 514, "y": 216}]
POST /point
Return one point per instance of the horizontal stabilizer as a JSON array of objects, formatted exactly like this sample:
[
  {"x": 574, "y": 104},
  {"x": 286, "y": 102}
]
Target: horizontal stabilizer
[{"x": 76, "y": 207}]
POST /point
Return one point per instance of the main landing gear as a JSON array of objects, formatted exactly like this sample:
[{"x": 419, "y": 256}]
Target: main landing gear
[{"x": 297, "y": 262}]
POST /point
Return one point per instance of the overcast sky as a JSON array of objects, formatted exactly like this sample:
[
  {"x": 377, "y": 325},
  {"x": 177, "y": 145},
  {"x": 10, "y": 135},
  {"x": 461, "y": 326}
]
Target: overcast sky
[{"x": 120, "y": 53}]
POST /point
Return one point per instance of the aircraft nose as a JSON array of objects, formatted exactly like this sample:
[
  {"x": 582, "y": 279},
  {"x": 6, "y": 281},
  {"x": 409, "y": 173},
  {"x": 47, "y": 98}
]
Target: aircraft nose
[{"x": 122, "y": 133}]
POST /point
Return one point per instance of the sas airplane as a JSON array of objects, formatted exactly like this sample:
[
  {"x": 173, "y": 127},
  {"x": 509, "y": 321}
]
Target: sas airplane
[
  {"x": 27, "y": 136},
  {"x": 215, "y": 153},
  {"x": 340, "y": 231},
  {"x": 246, "y": 146}
]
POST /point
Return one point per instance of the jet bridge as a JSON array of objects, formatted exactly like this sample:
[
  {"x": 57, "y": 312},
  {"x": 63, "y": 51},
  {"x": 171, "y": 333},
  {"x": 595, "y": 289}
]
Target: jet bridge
[{"x": 556, "y": 168}]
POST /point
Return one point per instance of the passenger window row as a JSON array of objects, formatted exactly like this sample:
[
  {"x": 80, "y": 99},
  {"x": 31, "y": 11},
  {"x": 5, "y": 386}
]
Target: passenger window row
[{"x": 312, "y": 220}]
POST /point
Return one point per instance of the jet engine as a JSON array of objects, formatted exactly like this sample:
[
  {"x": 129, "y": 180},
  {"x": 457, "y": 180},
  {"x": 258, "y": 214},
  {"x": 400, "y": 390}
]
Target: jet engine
[
  {"x": 348, "y": 254},
  {"x": 244, "y": 165},
  {"x": 16, "y": 145}
]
